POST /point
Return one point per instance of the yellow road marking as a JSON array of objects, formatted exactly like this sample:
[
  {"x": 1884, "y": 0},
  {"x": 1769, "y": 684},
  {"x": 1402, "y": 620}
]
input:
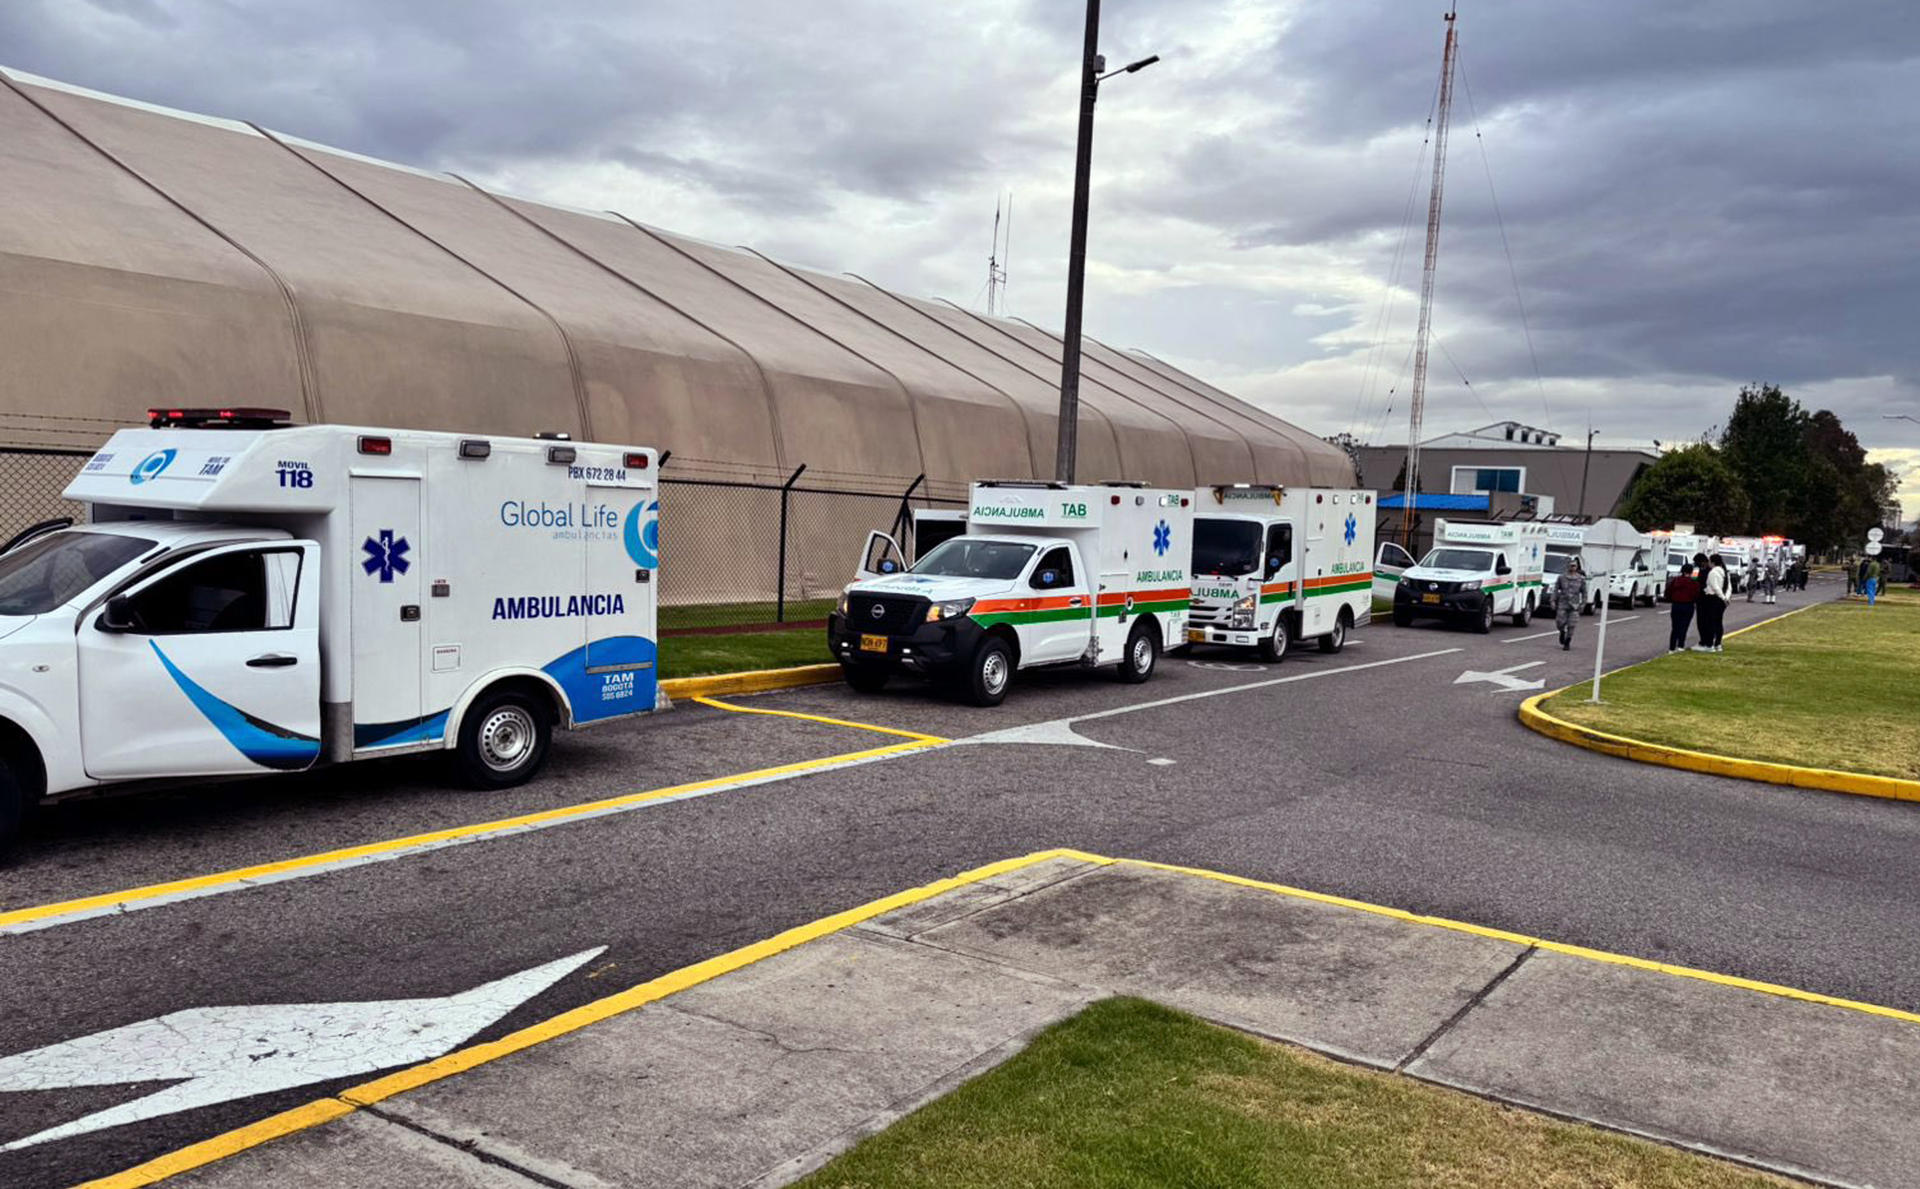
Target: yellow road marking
[
  {"x": 239, "y": 875},
  {"x": 326, "y": 1110},
  {"x": 832, "y": 722}
]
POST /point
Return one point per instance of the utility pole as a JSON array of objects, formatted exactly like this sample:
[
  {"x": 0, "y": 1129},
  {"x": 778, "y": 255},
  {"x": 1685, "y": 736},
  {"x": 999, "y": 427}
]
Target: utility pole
[
  {"x": 1585, "y": 467},
  {"x": 1091, "y": 65},
  {"x": 1442, "y": 118}
]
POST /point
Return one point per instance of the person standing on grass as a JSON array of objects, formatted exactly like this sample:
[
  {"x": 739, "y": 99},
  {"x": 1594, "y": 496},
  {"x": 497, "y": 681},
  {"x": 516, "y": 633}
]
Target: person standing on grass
[
  {"x": 1569, "y": 593},
  {"x": 1683, "y": 591},
  {"x": 1870, "y": 579},
  {"x": 1713, "y": 604}
]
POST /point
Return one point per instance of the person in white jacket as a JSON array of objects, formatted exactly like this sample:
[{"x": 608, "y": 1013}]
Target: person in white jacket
[{"x": 1713, "y": 604}]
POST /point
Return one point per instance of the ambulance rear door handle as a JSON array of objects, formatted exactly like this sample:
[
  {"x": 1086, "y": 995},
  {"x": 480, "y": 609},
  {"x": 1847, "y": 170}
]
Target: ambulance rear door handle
[{"x": 272, "y": 660}]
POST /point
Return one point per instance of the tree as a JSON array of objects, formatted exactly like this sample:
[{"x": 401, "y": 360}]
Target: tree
[
  {"x": 1765, "y": 443},
  {"x": 1691, "y": 485}
]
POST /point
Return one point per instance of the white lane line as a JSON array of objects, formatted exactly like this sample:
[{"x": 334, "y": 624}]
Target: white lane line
[{"x": 1611, "y": 620}]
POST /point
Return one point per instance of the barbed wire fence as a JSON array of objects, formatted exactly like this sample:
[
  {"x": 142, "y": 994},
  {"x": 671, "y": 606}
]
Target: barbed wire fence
[{"x": 742, "y": 547}]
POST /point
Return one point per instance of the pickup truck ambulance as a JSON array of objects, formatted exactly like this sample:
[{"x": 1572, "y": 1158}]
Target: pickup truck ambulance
[
  {"x": 1273, "y": 566},
  {"x": 1474, "y": 572},
  {"x": 248, "y": 596},
  {"x": 1046, "y": 574}
]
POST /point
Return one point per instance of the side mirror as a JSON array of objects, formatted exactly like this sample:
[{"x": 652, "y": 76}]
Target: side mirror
[{"x": 118, "y": 616}]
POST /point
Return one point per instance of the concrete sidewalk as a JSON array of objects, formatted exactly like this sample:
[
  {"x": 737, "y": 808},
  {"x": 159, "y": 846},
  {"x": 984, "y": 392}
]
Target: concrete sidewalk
[{"x": 761, "y": 1075}]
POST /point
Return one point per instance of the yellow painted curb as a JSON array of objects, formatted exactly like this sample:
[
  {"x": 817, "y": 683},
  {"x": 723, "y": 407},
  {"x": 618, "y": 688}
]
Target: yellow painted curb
[
  {"x": 755, "y": 681},
  {"x": 1830, "y": 780}
]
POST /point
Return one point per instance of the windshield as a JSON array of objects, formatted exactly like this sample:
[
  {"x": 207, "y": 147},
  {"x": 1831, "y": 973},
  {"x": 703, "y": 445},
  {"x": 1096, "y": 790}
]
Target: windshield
[
  {"x": 1228, "y": 548},
  {"x": 1459, "y": 559},
  {"x": 49, "y": 571},
  {"x": 1676, "y": 560},
  {"x": 970, "y": 557}
]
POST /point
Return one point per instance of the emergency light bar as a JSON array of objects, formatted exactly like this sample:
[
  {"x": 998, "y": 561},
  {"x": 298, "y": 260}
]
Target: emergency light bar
[{"x": 232, "y": 417}]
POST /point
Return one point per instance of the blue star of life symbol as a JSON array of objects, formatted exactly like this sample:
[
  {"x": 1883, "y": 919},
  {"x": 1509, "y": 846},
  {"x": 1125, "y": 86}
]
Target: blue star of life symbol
[
  {"x": 386, "y": 556},
  {"x": 1162, "y": 538},
  {"x": 1353, "y": 528}
]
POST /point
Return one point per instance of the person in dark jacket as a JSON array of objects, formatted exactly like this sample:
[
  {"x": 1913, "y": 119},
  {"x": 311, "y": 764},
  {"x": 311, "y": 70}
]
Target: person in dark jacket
[
  {"x": 1683, "y": 591},
  {"x": 1569, "y": 595}
]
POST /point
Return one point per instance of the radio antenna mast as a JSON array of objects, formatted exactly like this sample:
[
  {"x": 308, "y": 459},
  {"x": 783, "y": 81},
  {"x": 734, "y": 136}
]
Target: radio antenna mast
[
  {"x": 1443, "y": 111},
  {"x": 997, "y": 259}
]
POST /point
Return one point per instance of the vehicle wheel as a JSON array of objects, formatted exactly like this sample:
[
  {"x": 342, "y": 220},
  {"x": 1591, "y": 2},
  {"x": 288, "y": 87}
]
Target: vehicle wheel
[
  {"x": 1484, "y": 623},
  {"x": 1650, "y": 599},
  {"x": 1143, "y": 653},
  {"x": 13, "y": 808},
  {"x": 503, "y": 740},
  {"x": 990, "y": 674},
  {"x": 1524, "y": 615},
  {"x": 1336, "y": 639},
  {"x": 865, "y": 679},
  {"x": 1274, "y": 647},
  {"x": 1402, "y": 619}
]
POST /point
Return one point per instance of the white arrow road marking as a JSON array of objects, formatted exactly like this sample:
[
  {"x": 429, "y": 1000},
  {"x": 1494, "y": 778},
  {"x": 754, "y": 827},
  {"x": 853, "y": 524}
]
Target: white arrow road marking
[
  {"x": 1500, "y": 677},
  {"x": 1059, "y": 731},
  {"x": 224, "y": 1053}
]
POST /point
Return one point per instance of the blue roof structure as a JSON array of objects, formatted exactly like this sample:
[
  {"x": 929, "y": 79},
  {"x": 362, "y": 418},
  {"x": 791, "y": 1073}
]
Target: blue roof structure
[{"x": 1435, "y": 501}]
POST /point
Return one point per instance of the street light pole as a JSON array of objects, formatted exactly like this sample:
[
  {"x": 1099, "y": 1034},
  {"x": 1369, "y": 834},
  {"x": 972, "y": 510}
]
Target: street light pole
[
  {"x": 1585, "y": 467},
  {"x": 1091, "y": 64}
]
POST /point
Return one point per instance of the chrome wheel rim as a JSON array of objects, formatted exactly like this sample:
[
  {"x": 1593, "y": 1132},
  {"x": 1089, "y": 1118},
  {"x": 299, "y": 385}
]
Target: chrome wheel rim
[
  {"x": 1142, "y": 655},
  {"x": 506, "y": 738},
  {"x": 993, "y": 672}
]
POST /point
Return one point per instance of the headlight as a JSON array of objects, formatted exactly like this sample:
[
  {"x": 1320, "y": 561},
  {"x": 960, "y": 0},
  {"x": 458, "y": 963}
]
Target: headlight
[
  {"x": 846, "y": 596},
  {"x": 1241, "y": 617},
  {"x": 950, "y": 609},
  {"x": 1471, "y": 584}
]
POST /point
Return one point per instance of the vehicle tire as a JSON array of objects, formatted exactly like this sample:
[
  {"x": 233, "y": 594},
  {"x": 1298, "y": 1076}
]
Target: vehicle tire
[
  {"x": 1402, "y": 619},
  {"x": 1483, "y": 623},
  {"x": 990, "y": 673},
  {"x": 503, "y": 740},
  {"x": 1524, "y": 615},
  {"x": 1336, "y": 639},
  {"x": 1274, "y": 647},
  {"x": 865, "y": 679},
  {"x": 1143, "y": 653},
  {"x": 13, "y": 808}
]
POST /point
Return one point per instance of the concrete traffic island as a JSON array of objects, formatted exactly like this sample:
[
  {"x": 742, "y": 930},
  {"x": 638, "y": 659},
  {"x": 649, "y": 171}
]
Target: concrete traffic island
[{"x": 762, "y": 1071}]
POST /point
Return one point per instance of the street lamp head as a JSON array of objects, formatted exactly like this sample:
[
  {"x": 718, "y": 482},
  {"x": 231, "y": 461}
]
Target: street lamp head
[
  {"x": 1142, "y": 64},
  {"x": 1100, "y": 64}
]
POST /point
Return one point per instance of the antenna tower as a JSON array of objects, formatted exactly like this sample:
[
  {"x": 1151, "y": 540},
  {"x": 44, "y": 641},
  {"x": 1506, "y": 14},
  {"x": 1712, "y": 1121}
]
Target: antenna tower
[
  {"x": 997, "y": 259},
  {"x": 1443, "y": 112}
]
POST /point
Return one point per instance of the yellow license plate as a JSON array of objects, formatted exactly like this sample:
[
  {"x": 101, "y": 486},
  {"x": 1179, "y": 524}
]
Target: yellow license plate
[
  {"x": 873, "y": 643},
  {"x": 1430, "y": 598},
  {"x": 1196, "y": 636}
]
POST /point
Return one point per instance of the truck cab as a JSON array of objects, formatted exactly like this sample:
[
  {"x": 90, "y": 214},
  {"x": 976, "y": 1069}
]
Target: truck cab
[
  {"x": 1474, "y": 573},
  {"x": 1045, "y": 574},
  {"x": 1275, "y": 566}
]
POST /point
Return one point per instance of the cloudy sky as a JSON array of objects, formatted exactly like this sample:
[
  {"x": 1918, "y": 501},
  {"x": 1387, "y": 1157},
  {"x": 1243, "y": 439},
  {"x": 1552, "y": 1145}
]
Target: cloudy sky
[{"x": 1692, "y": 194}]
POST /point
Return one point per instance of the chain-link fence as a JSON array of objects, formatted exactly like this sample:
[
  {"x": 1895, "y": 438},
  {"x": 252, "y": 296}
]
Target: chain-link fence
[{"x": 741, "y": 547}]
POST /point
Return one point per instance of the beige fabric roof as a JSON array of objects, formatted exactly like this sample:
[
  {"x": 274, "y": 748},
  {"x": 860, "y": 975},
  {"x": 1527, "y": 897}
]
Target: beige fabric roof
[{"x": 153, "y": 257}]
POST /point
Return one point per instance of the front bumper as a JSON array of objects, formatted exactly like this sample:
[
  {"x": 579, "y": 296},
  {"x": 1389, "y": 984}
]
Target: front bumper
[
  {"x": 935, "y": 649},
  {"x": 1457, "y": 604}
]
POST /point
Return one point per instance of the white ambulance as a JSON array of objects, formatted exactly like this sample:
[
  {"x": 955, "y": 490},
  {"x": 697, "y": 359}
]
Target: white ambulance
[
  {"x": 248, "y": 597},
  {"x": 1474, "y": 572},
  {"x": 1045, "y": 574},
  {"x": 1274, "y": 566}
]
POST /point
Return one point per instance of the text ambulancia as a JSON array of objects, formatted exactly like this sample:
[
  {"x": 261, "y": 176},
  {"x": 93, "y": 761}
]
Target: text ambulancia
[
  {"x": 249, "y": 596},
  {"x": 1274, "y": 566},
  {"x": 1043, "y": 574}
]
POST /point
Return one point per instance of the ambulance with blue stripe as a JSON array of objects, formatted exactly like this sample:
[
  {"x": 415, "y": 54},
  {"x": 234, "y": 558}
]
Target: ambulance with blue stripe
[
  {"x": 1274, "y": 567},
  {"x": 1044, "y": 575},
  {"x": 249, "y": 596}
]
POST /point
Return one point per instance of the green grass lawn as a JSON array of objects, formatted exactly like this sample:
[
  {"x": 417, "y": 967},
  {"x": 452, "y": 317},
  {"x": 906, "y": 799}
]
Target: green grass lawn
[
  {"x": 1129, "y": 1094},
  {"x": 694, "y": 656},
  {"x": 1831, "y": 687},
  {"x": 713, "y": 615}
]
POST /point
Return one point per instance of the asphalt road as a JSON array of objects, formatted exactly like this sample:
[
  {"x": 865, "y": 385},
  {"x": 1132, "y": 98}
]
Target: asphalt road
[{"x": 1374, "y": 774}]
